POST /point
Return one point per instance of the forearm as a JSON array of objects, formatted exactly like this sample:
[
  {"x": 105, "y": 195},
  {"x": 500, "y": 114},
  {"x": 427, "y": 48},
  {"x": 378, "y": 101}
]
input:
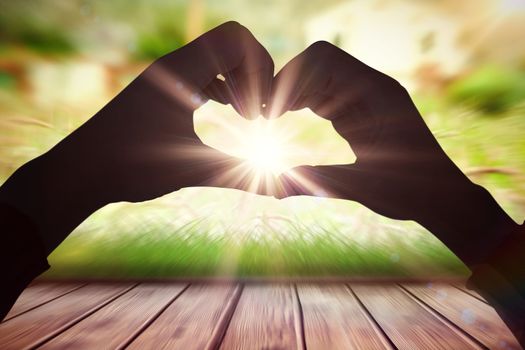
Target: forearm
[
  {"x": 468, "y": 220},
  {"x": 38, "y": 210},
  {"x": 46, "y": 193}
]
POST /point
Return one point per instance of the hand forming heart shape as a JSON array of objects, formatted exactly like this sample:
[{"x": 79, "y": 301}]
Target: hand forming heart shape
[{"x": 143, "y": 143}]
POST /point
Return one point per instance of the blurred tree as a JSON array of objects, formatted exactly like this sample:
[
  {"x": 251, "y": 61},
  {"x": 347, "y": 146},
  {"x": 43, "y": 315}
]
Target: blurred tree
[
  {"x": 491, "y": 89},
  {"x": 158, "y": 41}
]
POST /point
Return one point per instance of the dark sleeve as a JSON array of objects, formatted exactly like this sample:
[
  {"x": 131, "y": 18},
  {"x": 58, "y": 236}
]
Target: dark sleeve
[
  {"x": 22, "y": 256},
  {"x": 501, "y": 281}
]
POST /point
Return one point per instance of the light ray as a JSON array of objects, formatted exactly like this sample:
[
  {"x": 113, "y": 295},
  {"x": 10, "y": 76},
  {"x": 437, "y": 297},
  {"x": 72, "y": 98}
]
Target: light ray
[{"x": 265, "y": 148}]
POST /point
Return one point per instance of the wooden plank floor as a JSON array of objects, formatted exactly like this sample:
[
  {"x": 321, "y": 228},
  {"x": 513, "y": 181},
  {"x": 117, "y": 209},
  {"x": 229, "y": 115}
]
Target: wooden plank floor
[{"x": 252, "y": 316}]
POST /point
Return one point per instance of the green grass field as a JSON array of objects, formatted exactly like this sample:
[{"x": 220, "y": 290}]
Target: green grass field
[{"x": 150, "y": 240}]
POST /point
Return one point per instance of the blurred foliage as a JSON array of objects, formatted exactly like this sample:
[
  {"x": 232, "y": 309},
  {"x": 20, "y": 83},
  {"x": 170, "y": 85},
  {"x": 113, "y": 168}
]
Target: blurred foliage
[
  {"x": 492, "y": 89},
  {"x": 22, "y": 23},
  {"x": 7, "y": 81},
  {"x": 52, "y": 27},
  {"x": 165, "y": 33},
  {"x": 160, "y": 41}
]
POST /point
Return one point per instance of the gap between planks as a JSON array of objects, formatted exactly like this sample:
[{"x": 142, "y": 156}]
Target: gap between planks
[
  {"x": 454, "y": 327},
  {"x": 37, "y": 305},
  {"x": 190, "y": 302},
  {"x": 299, "y": 320},
  {"x": 152, "y": 319},
  {"x": 469, "y": 292},
  {"x": 88, "y": 313},
  {"x": 226, "y": 318},
  {"x": 372, "y": 319}
]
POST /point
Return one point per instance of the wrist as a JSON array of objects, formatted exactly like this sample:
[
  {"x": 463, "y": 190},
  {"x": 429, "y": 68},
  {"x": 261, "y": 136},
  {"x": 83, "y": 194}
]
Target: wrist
[
  {"x": 508, "y": 258},
  {"x": 22, "y": 255},
  {"x": 501, "y": 293}
]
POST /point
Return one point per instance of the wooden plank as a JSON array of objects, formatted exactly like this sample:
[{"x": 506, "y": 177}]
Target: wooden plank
[
  {"x": 470, "y": 314},
  {"x": 471, "y": 292},
  {"x": 48, "y": 320},
  {"x": 267, "y": 317},
  {"x": 114, "y": 324},
  {"x": 196, "y": 320},
  {"x": 333, "y": 319},
  {"x": 38, "y": 294},
  {"x": 408, "y": 324}
]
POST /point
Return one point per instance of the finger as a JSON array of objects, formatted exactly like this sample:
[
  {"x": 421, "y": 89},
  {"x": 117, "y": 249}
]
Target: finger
[
  {"x": 305, "y": 75},
  {"x": 340, "y": 88},
  {"x": 196, "y": 164},
  {"x": 217, "y": 91},
  {"x": 191, "y": 164},
  {"x": 370, "y": 187},
  {"x": 206, "y": 166},
  {"x": 321, "y": 76},
  {"x": 250, "y": 82},
  {"x": 230, "y": 50}
]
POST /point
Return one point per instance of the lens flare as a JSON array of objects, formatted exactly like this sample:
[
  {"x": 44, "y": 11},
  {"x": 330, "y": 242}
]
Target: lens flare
[
  {"x": 269, "y": 148},
  {"x": 264, "y": 151}
]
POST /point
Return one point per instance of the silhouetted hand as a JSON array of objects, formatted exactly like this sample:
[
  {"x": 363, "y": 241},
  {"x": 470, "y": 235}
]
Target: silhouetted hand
[
  {"x": 401, "y": 171},
  {"x": 142, "y": 144}
]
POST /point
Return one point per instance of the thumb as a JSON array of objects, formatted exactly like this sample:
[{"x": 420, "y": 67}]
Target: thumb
[{"x": 332, "y": 181}]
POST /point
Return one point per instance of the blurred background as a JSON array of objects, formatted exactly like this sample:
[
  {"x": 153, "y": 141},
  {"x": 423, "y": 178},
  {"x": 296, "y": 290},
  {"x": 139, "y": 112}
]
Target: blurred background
[{"x": 463, "y": 63}]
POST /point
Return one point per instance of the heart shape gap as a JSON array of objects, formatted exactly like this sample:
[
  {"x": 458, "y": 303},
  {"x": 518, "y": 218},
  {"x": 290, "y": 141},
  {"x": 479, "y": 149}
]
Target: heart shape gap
[{"x": 275, "y": 145}]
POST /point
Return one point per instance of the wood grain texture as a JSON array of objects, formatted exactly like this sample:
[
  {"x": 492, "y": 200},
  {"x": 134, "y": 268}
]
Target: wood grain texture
[
  {"x": 260, "y": 316},
  {"x": 196, "y": 320},
  {"x": 407, "y": 324},
  {"x": 114, "y": 324},
  {"x": 39, "y": 294},
  {"x": 472, "y": 315},
  {"x": 471, "y": 292},
  {"x": 266, "y": 317},
  {"x": 333, "y": 319},
  {"x": 44, "y": 322}
]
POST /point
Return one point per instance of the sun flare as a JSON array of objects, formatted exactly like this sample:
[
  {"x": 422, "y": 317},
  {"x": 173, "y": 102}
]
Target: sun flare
[
  {"x": 270, "y": 147},
  {"x": 264, "y": 150}
]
